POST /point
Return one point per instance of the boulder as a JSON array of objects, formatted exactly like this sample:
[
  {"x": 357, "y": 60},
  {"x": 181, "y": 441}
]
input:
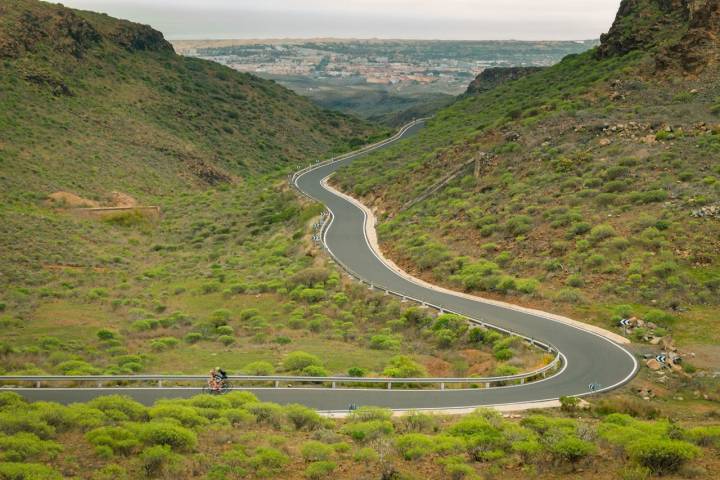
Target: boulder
[{"x": 653, "y": 364}]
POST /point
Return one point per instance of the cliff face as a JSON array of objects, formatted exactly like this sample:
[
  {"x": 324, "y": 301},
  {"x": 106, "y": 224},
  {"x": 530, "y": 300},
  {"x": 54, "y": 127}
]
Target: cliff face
[
  {"x": 682, "y": 34},
  {"x": 28, "y": 26},
  {"x": 493, "y": 77}
]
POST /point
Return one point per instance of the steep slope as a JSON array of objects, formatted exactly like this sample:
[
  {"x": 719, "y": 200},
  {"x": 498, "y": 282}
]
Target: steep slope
[
  {"x": 596, "y": 187},
  {"x": 100, "y": 112},
  {"x": 92, "y": 105},
  {"x": 83, "y": 90}
]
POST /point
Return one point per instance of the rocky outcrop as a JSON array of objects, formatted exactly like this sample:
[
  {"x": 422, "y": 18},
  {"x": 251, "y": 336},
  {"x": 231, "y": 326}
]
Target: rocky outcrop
[
  {"x": 493, "y": 77},
  {"x": 681, "y": 33},
  {"x": 141, "y": 37},
  {"x": 699, "y": 48},
  {"x": 31, "y": 25},
  {"x": 60, "y": 28}
]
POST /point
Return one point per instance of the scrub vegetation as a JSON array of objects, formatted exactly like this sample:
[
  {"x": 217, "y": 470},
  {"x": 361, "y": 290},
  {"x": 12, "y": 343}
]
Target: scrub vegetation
[
  {"x": 236, "y": 436},
  {"x": 226, "y": 274},
  {"x": 596, "y": 189}
]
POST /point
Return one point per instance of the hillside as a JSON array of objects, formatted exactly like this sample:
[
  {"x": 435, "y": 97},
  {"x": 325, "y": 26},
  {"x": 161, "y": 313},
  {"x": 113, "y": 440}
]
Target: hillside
[
  {"x": 211, "y": 262},
  {"x": 596, "y": 187}
]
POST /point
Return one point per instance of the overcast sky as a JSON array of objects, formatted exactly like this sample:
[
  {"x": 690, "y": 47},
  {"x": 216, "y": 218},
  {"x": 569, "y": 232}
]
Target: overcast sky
[{"x": 431, "y": 19}]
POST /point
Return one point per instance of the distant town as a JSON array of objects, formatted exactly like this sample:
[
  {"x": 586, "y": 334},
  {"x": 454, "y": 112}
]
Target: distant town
[
  {"x": 451, "y": 65},
  {"x": 387, "y": 81}
]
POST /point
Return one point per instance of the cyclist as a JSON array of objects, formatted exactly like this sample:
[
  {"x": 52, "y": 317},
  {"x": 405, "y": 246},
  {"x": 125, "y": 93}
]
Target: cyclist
[
  {"x": 215, "y": 380},
  {"x": 222, "y": 375}
]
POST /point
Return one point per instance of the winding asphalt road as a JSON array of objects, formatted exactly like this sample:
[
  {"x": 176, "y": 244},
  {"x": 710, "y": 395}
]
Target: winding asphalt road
[{"x": 589, "y": 357}]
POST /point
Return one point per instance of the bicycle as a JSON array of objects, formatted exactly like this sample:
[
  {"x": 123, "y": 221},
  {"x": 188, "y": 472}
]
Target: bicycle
[{"x": 225, "y": 387}]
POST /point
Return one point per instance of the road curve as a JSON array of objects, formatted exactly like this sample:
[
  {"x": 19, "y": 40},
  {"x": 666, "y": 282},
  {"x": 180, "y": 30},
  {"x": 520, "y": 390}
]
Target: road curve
[{"x": 589, "y": 357}]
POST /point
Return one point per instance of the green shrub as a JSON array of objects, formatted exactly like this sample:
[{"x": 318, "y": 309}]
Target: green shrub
[
  {"x": 601, "y": 232},
  {"x": 580, "y": 228},
  {"x": 319, "y": 470},
  {"x": 237, "y": 416},
  {"x": 119, "y": 407},
  {"x": 164, "y": 343},
  {"x": 384, "y": 342},
  {"x": 315, "y": 371},
  {"x": 268, "y": 460},
  {"x": 704, "y": 436},
  {"x": 157, "y": 460},
  {"x": 110, "y": 472},
  {"x": 661, "y": 455},
  {"x": 105, "y": 334},
  {"x": 11, "y": 399},
  {"x": 458, "y": 471},
  {"x": 366, "y": 455},
  {"x": 220, "y": 317},
  {"x": 239, "y": 399},
  {"x": 226, "y": 340},
  {"x": 414, "y": 445},
  {"x": 225, "y": 330},
  {"x": 569, "y": 404},
  {"x": 12, "y": 422},
  {"x": 265, "y": 412},
  {"x": 297, "y": 361},
  {"x": 313, "y": 451},
  {"x": 144, "y": 325},
  {"x": 27, "y": 471},
  {"x": 366, "y": 431},
  {"x": 419, "y": 422},
  {"x": 166, "y": 433},
  {"x": 402, "y": 366},
  {"x": 303, "y": 418},
  {"x": 312, "y": 295},
  {"x": 117, "y": 439},
  {"x": 24, "y": 446},
  {"x": 192, "y": 337},
  {"x": 188, "y": 416},
  {"x": 572, "y": 449}
]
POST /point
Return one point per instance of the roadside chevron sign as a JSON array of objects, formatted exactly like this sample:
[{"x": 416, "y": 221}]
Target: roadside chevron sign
[
  {"x": 624, "y": 322},
  {"x": 661, "y": 358}
]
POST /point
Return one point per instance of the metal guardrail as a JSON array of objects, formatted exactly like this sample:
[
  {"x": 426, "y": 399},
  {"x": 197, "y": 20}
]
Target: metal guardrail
[{"x": 278, "y": 380}]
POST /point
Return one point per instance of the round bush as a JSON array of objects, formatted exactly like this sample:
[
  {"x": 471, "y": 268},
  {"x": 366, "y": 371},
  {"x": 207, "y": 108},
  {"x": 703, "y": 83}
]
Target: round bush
[
  {"x": 660, "y": 455},
  {"x": 296, "y": 361},
  {"x": 318, "y": 470},
  {"x": 313, "y": 451},
  {"x": 166, "y": 433}
]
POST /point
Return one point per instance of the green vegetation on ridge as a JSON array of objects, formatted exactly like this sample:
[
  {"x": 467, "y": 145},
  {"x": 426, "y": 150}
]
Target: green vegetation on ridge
[{"x": 597, "y": 179}]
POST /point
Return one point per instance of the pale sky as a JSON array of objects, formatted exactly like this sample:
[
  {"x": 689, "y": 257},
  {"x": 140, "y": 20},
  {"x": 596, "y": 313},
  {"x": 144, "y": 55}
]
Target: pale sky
[{"x": 418, "y": 19}]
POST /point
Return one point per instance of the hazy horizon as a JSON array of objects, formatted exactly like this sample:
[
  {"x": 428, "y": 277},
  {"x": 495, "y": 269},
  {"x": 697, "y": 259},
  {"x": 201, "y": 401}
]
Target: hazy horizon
[{"x": 365, "y": 19}]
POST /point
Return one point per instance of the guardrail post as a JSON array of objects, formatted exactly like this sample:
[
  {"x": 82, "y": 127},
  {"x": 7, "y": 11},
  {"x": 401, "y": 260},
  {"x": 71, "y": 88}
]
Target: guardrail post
[
  {"x": 487, "y": 384},
  {"x": 522, "y": 381},
  {"x": 442, "y": 385},
  {"x": 277, "y": 383},
  {"x": 99, "y": 384},
  {"x": 333, "y": 384},
  {"x": 37, "y": 384},
  {"x": 389, "y": 386},
  {"x": 159, "y": 383}
]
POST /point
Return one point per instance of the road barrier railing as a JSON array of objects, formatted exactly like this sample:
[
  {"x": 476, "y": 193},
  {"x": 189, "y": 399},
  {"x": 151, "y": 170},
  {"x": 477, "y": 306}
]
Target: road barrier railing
[{"x": 277, "y": 381}]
